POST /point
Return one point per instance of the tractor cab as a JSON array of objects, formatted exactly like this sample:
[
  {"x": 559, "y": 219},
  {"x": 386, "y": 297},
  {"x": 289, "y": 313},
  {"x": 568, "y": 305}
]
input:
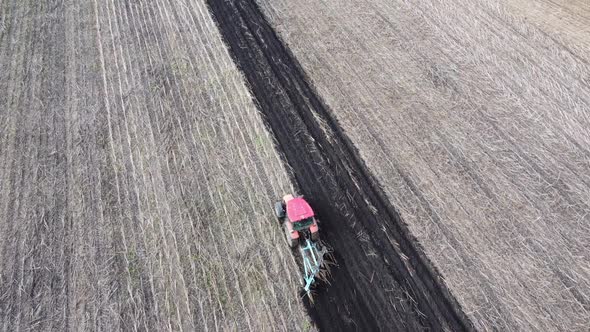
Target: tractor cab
[{"x": 297, "y": 216}]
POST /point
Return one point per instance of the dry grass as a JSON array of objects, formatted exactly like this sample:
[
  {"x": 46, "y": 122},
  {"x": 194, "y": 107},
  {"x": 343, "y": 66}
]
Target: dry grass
[
  {"x": 566, "y": 22},
  {"x": 476, "y": 123},
  {"x": 136, "y": 176}
]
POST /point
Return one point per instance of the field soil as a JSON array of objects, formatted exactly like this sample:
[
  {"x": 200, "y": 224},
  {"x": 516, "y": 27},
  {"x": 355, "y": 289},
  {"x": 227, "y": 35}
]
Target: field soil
[
  {"x": 382, "y": 282},
  {"x": 136, "y": 175},
  {"x": 474, "y": 117}
]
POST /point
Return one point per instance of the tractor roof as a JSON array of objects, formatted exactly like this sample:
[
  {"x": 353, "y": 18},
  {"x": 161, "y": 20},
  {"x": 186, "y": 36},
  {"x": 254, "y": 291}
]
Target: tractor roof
[{"x": 298, "y": 209}]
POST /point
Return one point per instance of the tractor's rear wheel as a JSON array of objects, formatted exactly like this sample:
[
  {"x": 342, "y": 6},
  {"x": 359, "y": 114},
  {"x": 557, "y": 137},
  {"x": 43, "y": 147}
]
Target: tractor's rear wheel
[
  {"x": 290, "y": 241},
  {"x": 315, "y": 237},
  {"x": 280, "y": 210}
]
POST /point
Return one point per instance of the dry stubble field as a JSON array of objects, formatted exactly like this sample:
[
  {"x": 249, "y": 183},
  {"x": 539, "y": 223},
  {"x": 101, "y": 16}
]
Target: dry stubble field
[
  {"x": 473, "y": 115},
  {"x": 131, "y": 154},
  {"x": 135, "y": 175}
]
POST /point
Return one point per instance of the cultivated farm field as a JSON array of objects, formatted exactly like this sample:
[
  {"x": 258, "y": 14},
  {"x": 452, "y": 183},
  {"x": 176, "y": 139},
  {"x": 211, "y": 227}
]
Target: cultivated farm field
[
  {"x": 442, "y": 144},
  {"x": 474, "y": 117},
  {"x": 136, "y": 175}
]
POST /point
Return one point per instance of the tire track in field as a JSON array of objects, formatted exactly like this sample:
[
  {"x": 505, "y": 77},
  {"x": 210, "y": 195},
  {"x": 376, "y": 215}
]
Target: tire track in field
[
  {"x": 260, "y": 201},
  {"x": 51, "y": 281},
  {"x": 157, "y": 184},
  {"x": 290, "y": 106},
  {"x": 25, "y": 145},
  {"x": 93, "y": 275},
  {"x": 115, "y": 195},
  {"x": 228, "y": 116},
  {"x": 110, "y": 185},
  {"x": 168, "y": 127},
  {"x": 169, "y": 88},
  {"x": 12, "y": 119},
  {"x": 142, "y": 30},
  {"x": 147, "y": 187}
]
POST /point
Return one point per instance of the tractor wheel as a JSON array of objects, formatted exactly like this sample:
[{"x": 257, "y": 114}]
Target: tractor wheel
[
  {"x": 290, "y": 241},
  {"x": 279, "y": 210},
  {"x": 315, "y": 237}
]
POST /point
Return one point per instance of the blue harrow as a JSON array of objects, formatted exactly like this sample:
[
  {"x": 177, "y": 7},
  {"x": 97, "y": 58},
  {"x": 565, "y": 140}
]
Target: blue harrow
[{"x": 316, "y": 264}]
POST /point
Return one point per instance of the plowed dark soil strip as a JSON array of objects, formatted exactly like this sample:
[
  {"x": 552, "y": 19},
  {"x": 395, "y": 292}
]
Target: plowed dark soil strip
[{"x": 384, "y": 281}]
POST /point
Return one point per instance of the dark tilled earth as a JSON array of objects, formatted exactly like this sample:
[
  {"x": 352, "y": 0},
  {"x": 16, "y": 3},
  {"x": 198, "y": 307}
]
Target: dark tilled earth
[{"x": 383, "y": 280}]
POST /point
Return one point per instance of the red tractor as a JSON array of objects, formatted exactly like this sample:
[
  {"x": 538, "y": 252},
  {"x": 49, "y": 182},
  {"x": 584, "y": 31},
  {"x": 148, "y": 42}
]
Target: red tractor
[{"x": 298, "y": 219}]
